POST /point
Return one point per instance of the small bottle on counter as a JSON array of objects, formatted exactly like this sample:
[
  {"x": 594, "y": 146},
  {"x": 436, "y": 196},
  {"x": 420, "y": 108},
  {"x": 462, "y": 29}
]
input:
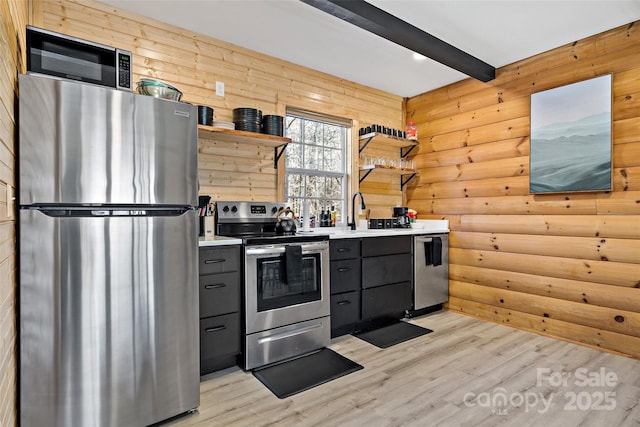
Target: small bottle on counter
[
  {"x": 323, "y": 218},
  {"x": 333, "y": 216},
  {"x": 411, "y": 132}
]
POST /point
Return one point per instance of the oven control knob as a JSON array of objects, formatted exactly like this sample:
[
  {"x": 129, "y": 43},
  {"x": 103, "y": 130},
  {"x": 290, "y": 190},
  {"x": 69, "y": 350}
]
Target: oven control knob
[
  {"x": 225, "y": 209},
  {"x": 234, "y": 209},
  {"x": 274, "y": 210}
]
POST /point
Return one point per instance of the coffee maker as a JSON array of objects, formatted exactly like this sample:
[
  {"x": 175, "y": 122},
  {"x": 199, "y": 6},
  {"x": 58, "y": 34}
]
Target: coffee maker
[{"x": 401, "y": 213}]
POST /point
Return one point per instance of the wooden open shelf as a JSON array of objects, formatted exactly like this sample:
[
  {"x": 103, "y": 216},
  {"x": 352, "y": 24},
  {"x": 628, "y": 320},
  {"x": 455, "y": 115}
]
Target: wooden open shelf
[
  {"x": 278, "y": 143},
  {"x": 389, "y": 141},
  {"x": 388, "y": 170},
  {"x": 232, "y": 135}
]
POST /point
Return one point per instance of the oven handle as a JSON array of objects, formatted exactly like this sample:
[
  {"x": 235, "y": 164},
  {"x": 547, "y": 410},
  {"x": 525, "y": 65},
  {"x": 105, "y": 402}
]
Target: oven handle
[
  {"x": 280, "y": 249},
  {"x": 289, "y": 334}
]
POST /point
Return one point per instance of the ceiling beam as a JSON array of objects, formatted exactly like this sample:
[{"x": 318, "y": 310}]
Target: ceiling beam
[{"x": 377, "y": 21}]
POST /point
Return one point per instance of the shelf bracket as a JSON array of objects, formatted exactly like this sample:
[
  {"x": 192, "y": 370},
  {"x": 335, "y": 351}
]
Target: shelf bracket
[
  {"x": 406, "y": 153},
  {"x": 363, "y": 145},
  {"x": 366, "y": 174},
  {"x": 277, "y": 155},
  {"x": 404, "y": 182}
]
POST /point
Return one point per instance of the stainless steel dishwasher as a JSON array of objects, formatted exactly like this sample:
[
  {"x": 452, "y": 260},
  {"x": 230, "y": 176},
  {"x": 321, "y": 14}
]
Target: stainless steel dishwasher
[{"x": 431, "y": 270}]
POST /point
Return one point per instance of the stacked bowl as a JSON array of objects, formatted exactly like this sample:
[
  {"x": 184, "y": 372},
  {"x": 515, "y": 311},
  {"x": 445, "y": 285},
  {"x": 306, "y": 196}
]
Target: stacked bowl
[
  {"x": 273, "y": 125},
  {"x": 247, "y": 119}
]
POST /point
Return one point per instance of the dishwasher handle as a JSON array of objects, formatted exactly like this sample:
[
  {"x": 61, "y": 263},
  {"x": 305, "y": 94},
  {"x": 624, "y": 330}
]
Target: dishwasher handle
[{"x": 432, "y": 251}]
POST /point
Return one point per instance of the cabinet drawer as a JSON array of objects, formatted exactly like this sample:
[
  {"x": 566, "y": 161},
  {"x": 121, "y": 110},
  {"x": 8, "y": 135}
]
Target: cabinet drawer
[
  {"x": 344, "y": 249},
  {"x": 386, "y": 301},
  {"x": 219, "y": 260},
  {"x": 219, "y": 336},
  {"x": 345, "y": 275},
  {"x": 383, "y": 270},
  {"x": 386, "y": 245},
  {"x": 219, "y": 294},
  {"x": 345, "y": 310}
]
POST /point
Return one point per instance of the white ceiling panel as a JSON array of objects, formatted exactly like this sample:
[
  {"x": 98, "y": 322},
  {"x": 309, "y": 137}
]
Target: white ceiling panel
[{"x": 497, "y": 32}]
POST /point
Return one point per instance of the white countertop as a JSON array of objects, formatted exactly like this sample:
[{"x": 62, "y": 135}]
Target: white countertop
[
  {"x": 421, "y": 226},
  {"x": 219, "y": 241}
]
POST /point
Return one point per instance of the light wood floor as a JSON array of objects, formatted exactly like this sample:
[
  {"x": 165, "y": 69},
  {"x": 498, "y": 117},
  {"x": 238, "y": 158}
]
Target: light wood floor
[{"x": 451, "y": 377}]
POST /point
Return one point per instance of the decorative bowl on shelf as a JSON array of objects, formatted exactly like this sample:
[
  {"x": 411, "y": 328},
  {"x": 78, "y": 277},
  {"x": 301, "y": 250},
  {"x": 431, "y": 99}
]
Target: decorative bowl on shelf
[{"x": 158, "y": 89}]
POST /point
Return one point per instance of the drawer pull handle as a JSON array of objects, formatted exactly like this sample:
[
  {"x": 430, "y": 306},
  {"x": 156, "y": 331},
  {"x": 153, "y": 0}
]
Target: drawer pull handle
[
  {"x": 289, "y": 334},
  {"x": 216, "y": 328},
  {"x": 216, "y": 286},
  {"x": 214, "y": 261},
  {"x": 345, "y": 302},
  {"x": 343, "y": 269},
  {"x": 344, "y": 249}
]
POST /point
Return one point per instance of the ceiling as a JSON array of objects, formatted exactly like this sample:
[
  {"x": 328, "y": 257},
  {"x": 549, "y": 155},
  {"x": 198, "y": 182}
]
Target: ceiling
[{"x": 497, "y": 32}]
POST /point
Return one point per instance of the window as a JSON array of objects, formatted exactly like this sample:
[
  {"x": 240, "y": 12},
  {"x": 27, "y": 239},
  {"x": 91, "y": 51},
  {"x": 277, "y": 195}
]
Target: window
[{"x": 316, "y": 163}]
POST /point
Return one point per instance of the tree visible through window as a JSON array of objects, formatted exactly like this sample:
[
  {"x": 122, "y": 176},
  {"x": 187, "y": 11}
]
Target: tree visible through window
[{"x": 316, "y": 164}]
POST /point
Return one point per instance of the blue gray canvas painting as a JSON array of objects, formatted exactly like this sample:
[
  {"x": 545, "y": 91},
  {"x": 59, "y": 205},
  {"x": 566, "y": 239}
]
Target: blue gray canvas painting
[{"x": 571, "y": 138}]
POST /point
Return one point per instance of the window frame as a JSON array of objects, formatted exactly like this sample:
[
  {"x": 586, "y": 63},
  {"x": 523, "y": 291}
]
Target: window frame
[{"x": 345, "y": 151}]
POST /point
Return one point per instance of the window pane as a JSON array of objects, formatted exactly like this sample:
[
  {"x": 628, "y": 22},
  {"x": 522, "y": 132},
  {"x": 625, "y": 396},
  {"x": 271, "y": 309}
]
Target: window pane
[
  {"x": 333, "y": 160},
  {"x": 294, "y": 155},
  {"x": 334, "y": 188},
  {"x": 294, "y": 128},
  {"x": 333, "y": 136},
  {"x": 294, "y": 184},
  {"x": 312, "y": 157},
  {"x": 315, "y": 187},
  {"x": 312, "y": 133}
]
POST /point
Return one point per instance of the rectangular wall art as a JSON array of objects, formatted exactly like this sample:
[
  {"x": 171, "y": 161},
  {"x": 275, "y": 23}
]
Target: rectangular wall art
[{"x": 571, "y": 138}]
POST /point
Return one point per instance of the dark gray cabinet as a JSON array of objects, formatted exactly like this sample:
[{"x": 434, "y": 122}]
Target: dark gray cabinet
[
  {"x": 371, "y": 281},
  {"x": 387, "y": 274},
  {"x": 220, "y": 281},
  {"x": 345, "y": 279}
]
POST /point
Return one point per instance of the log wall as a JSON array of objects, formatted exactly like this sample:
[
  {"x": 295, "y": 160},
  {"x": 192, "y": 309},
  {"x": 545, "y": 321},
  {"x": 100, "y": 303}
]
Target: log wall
[
  {"x": 193, "y": 63},
  {"x": 566, "y": 265},
  {"x": 13, "y": 18}
]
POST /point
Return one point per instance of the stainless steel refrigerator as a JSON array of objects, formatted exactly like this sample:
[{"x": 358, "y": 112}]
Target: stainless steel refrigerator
[{"x": 108, "y": 294}]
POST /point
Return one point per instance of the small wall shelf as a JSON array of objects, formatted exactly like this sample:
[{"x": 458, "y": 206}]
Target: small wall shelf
[
  {"x": 278, "y": 143},
  {"x": 405, "y": 145},
  {"x": 366, "y": 170}
]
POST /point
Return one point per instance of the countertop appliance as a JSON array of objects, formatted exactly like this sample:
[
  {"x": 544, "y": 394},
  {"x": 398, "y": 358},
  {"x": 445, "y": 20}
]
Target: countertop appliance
[
  {"x": 431, "y": 270},
  {"x": 54, "y": 54},
  {"x": 286, "y": 284},
  {"x": 108, "y": 302},
  {"x": 401, "y": 213}
]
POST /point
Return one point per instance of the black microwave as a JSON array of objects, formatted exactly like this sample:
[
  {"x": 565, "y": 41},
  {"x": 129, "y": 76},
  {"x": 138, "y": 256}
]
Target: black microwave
[{"x": 67, "y": 57}]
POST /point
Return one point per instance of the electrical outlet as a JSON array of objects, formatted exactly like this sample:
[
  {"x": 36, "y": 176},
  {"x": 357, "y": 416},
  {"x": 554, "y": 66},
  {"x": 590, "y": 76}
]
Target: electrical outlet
[{"x": 220, "y": 88}]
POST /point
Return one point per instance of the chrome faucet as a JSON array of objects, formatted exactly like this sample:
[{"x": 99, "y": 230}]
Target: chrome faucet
[{"x": 353, "y": 209}]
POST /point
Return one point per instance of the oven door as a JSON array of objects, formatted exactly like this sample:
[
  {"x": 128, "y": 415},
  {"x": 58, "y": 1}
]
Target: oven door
[{"x": 275, "y": 298}]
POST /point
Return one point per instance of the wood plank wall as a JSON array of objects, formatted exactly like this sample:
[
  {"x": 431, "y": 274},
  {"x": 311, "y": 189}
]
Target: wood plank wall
[
  {"x": 565, "y": 265},
  {"x": 13, "y": 18},
  {"x": 193, "y": 63}
]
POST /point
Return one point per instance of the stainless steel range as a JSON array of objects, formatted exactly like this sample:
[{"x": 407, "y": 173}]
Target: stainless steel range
[{"x": 286, "y": 284}]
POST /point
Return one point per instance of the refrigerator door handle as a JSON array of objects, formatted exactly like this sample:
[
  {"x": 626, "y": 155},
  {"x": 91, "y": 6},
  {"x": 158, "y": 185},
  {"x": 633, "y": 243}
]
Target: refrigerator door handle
[{"x": 110, "y": 211}]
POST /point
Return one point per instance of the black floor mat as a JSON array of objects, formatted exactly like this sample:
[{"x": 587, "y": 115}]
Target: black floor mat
[
  {"x": 393, "y": 334},
  {"x": 294, "y": 376}
]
